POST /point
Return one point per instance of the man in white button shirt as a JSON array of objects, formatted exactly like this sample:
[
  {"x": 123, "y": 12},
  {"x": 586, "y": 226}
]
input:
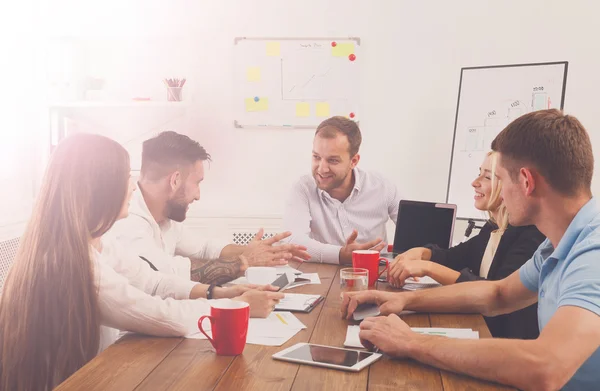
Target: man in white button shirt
[
  {"x": 340, "y": 208},
  {"x": 172, "y": 170}
]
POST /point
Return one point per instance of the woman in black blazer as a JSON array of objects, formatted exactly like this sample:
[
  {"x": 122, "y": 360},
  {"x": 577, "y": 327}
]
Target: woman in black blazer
[{"x": 495, "y": 253}]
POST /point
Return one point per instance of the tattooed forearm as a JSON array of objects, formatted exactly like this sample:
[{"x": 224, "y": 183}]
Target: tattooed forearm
[{"x": 217, "y": 271}]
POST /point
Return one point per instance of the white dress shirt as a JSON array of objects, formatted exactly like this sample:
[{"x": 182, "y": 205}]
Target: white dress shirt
[
  {"x": 168, "y": 246},
  {"x": 133, "y": 297},
  {"x": 322, "y": 223}
]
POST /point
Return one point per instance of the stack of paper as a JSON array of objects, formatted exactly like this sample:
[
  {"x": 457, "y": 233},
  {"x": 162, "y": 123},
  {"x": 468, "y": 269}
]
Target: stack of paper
[
  {"x": 352, "y": 339},
  {"x": 424, "y": 282},
  {"x": 275, "y": 330}
]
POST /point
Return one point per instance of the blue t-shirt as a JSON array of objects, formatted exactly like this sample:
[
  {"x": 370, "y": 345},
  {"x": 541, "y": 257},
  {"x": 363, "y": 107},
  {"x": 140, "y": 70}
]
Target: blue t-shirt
[{"x": 570, "y": 276}]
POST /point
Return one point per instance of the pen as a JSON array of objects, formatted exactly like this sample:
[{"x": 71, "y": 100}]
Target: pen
[
  {"x": 433, "y": 332},
  {"x": 314, "y": 303},
  {"x": 281, "y": 319}
]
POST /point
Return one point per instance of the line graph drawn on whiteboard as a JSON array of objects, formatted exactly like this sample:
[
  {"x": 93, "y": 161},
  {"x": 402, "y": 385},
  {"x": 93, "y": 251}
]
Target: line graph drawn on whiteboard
[
  {"x": 307, "y": 88},
  {"x": 310, "y": 76}
]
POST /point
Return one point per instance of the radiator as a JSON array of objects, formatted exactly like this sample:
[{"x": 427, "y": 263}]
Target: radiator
[
  {"x": 244, "y": 238},
  {"x": 8, "y": 251}
]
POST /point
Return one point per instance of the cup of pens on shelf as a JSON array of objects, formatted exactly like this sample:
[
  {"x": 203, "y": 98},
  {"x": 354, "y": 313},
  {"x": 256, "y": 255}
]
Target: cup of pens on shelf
[{"x": 174, "y": 87}]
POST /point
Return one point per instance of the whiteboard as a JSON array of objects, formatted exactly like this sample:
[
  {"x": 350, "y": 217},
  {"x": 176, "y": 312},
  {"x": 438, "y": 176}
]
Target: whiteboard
[
  {"x": 295, "y": 82},
  {"x": 489, "y": 98}
]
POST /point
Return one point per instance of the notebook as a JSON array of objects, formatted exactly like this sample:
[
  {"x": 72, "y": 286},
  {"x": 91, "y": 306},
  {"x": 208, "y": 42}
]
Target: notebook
[{"x": 298, "y": 302}]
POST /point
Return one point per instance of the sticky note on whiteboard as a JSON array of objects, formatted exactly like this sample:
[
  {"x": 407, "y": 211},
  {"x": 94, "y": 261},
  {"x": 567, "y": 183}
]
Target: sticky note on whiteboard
[
  {"x": 302, "y": 109},
  {"x": 261, "y": 105},
  {"x": 322, "y": 109},
  {"x": 253, "y": 74},
  {"x": 273, "y": 49},
  {"x": 342, "y": 49}
]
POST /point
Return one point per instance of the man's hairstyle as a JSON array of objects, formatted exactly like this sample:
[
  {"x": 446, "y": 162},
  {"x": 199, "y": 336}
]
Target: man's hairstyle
[
  {"x": 169, "y": 151},
  {"x": 555, "y": 144},
  {"x": 333, "y": 126}
]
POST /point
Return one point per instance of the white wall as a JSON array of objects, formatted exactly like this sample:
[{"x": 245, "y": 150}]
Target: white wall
[
  {"x": 21, "y": 111},
  {"x": 412, "y": 52}
]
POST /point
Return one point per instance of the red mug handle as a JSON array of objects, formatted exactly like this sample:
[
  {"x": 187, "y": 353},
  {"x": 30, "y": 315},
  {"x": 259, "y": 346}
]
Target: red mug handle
[
  {"x": 387, "y": 266},
  {"x": 212, "y": 342}
]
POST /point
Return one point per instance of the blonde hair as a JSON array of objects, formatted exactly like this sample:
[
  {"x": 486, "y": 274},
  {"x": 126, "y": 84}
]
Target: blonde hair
[
  {"x": 49, "y": 316},
  {"x": 496, "y": 203}
]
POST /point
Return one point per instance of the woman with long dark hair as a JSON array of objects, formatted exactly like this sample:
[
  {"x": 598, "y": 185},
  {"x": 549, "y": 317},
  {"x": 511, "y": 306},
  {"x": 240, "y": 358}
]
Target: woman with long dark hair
[{"x": 62, "y": 300}]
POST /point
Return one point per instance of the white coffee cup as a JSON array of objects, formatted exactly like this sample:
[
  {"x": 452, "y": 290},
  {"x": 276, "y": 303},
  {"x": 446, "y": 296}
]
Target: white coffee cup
[{"x": 261, "y": 275}]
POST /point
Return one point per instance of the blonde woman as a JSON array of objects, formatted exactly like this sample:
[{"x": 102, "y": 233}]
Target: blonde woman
[
  {"x": 70, "y": 289},
  {"x": 496, "y": 252}
]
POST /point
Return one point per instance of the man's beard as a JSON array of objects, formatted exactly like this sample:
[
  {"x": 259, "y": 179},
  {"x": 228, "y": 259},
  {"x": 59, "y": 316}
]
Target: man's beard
[
  {"x": 177, "y": 207},
  {"x": 176, "y": 211},
  {"x": 337, "y": 182}
]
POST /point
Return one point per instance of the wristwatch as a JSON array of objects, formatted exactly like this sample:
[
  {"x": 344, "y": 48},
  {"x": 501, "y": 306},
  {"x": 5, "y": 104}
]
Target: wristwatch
[{"x": 209, "y": 291}]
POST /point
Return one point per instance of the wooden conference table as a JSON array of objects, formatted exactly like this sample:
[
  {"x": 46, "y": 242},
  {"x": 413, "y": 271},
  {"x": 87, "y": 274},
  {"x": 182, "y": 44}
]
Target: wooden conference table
[{"x": 147, "y": 363}]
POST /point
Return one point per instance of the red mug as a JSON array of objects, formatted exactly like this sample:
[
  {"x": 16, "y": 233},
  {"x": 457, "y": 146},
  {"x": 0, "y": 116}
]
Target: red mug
[
  {"x": 369, "y": 259},
  {"x": 229, "y": 326}
]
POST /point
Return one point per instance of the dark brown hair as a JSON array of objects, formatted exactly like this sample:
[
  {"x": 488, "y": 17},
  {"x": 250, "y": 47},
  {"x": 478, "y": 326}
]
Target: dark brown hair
[
  {"x": 555, "y": 144},
  {"x": 165, "y": 153},
  {"x": 333, "y": 126}
]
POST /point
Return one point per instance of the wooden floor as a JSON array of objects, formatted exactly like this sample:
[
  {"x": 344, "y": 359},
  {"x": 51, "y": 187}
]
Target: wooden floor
[{"x": 148, "y": 363}]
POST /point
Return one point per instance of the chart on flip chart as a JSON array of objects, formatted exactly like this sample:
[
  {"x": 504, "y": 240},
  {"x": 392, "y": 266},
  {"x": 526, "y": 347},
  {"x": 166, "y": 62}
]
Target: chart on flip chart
[
  {"x": 489, "y": 99},
  {"x": 295, "y": 82}
]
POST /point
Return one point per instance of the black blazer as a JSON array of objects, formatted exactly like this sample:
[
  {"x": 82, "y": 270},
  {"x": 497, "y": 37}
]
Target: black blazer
[{"x": 516, "y": 247}]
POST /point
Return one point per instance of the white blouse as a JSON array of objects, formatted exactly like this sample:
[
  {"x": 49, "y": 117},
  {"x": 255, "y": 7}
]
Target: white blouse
[
  {"x": 133, "y": 297},
  {"x": 490, "y": 252}
]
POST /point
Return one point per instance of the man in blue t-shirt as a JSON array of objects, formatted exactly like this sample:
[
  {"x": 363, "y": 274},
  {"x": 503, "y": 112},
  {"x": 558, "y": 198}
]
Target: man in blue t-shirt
[{"x": 545, "y": 163}]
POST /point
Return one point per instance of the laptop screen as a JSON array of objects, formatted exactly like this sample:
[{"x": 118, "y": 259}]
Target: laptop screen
[{"x": 422, "y": 223}]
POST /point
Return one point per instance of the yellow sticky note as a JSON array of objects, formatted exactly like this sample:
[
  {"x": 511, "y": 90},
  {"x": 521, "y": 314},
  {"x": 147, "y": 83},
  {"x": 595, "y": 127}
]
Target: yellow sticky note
[
  {"x": 302, "y": 109},
  {"x": 322, "y": 109},
  {"x": 342, "y": 49},
  {"x": 273, "y": 49},
  {"x": 261, "y": 105},
  {"x": 253, "y": 74}
]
